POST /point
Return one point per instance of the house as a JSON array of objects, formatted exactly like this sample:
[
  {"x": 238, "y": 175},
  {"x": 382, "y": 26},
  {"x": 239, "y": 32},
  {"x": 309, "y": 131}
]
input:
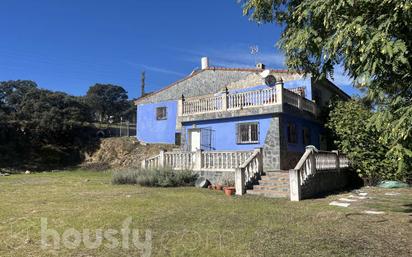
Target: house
[{"x": 237, "y": 110}]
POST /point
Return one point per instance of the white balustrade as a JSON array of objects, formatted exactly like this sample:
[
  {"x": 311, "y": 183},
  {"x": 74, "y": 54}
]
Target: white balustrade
[
  {"x": 223, "y": 160},
  {"x": 252, "y": 98},
  {"x": 198, "y": 161},
  {"x": 202, "y": 105},
  {"x": 179, "y": 160},
  {"x": 312, "y": 162},
  {"x": 291, "y": 98},
  {"x": 249, "y": 171},
  {"x": 248, "y": 99}
]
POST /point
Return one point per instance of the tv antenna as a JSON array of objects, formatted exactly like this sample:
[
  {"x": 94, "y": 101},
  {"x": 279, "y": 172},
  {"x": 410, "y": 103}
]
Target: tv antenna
[{"x": 254, "y": 50}]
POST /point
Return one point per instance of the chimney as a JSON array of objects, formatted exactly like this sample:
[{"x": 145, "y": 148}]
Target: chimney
[
  {"x": 143, "y": 84},
  {"x": 260, "y": 66},
  {"x": 205, "y": 63}
]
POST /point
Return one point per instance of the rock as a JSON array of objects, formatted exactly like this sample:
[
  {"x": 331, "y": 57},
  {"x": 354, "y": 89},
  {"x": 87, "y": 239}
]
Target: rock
[
  {"x": 86, "y": 180},
  {"x": 27, "y": 172},
  {"x": 335, "y": 203},
  {"x": 374, "y": 212},
  {"x": 358, "y": 197},
  {"x": 347, "y": 200},
  {"x": 392, "y": 194}
]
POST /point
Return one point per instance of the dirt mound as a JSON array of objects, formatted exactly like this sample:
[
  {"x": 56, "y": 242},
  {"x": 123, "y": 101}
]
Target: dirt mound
[{"x": 122, "y": 152}]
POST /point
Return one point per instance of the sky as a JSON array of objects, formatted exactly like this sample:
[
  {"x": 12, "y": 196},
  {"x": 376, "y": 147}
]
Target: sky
[{"x": 69, "y": 45}]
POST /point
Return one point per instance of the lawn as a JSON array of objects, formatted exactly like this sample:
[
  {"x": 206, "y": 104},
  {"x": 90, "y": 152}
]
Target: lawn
[{"x": 192, "y": 222}]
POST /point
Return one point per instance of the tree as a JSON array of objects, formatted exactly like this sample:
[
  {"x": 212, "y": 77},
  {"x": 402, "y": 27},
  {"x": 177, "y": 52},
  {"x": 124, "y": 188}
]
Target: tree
[
  {"x": 40, "y": 128},
  {"x": 107, "y": 100},
  {"x": 360, "y": 142},
  {"x": 12, "y": 93},
  {"x": 371, "y": 39}
]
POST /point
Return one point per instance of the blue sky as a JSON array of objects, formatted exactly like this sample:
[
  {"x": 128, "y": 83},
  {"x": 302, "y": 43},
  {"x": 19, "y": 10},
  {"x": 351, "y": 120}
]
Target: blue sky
[{"x": 69, "y": 45}]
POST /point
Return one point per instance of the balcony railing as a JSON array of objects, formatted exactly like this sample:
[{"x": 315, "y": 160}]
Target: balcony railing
[{"x": 244, "y": 100}]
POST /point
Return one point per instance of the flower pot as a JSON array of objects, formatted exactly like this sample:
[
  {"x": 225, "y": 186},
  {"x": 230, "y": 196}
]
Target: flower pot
[
  {"x": 229, "y": 191},
  {"x": 218, "y": 187}
]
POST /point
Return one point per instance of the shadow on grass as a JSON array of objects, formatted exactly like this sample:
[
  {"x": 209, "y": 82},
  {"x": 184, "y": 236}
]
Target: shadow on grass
[{"x": 408, "y": 208}]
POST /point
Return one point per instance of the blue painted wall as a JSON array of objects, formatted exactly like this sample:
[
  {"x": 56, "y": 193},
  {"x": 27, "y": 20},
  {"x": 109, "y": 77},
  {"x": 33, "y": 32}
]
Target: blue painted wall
[
  {"x": 224, "y": 131},
  {"x": 305, "y": 82},
  {"x": 151, "y": 130},
  {"x": 315, "y": 130}
]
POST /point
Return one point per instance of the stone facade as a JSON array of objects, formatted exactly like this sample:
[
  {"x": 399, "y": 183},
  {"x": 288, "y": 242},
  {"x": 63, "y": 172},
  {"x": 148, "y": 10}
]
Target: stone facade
[
  {"x": 272, "y": 147},
  {"x": 210, "y": 81},
  {"x": 217, "y": 177}
]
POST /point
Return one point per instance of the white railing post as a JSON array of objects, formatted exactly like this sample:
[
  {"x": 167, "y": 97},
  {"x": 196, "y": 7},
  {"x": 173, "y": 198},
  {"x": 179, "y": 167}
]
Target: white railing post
[
  {"x": 337, "y": 159},
  {"x": 300, "y": 102},
  {"x": 279, "y": 92},
  {"x": 312, "y": 158},
  {"x": 143, "y": 165},
  {"x": 260, "y": 160},
  {"x": 224, "y": 99},
  {"x": 240, "y": 181},
  {"x": 294, "y": 185},
  {"x": 198, "y": 160},
  {"x": 180, "y": 105},
  {"x": 162, "y": 160}
]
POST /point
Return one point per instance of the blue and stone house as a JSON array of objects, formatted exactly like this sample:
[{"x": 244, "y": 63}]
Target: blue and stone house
[{"x": 217, "y": 109}]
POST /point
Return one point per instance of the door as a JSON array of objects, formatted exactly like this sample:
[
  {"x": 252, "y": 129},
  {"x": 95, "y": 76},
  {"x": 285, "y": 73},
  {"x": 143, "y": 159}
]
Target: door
[{"x": 194, "y": 136}]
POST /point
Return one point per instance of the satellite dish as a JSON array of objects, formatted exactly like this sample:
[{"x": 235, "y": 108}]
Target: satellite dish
[
  {"x": 270, "y": 81},
  {"x": 265, "y": 73}
]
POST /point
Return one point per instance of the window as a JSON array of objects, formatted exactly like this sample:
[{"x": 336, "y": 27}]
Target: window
[
  {"x": 178, "y": 138},
  {"x": 161, "y": 113},
  {"x": 306, "y": 136},
  {"x": 248, "y": 133},
  {"x": 292, "y": 137}
]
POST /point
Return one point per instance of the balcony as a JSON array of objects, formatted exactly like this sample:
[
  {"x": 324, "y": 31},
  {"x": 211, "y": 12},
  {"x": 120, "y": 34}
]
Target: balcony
[{"x": 263, "y": 101}]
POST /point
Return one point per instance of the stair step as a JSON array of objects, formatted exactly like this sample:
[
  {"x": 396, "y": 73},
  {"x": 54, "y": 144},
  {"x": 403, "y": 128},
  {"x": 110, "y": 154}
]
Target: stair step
[
  {"x": 274, "y": 178},
  {"x": 276, "y": 174},
  {"x": 273, "y": 183},
  {"x": 268, "y": 193},
  {"x": 280, "y": 188}
]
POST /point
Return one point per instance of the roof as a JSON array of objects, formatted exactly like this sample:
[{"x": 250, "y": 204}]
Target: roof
[{"x": 205, "y": 81}]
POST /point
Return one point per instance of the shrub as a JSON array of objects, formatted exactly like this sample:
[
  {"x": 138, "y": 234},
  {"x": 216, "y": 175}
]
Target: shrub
[
  {"x": 155, "y": 177},
  {"x": 359, "y": 140}
]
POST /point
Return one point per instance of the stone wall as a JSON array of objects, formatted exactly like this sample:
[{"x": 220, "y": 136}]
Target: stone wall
[
  {"x": 217, "y": 177},
  {"x": 325, "y": 181},
  {"x": 272, "y": 148}
]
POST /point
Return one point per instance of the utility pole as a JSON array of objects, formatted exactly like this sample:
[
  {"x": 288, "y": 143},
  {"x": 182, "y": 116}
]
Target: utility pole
[{"x": 143, "y": 77}]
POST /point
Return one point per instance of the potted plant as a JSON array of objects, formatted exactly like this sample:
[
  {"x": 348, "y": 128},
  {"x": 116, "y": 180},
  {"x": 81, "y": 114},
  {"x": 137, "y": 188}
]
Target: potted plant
[
  {"x": 229, "y": 191},
  {"x": 230, "y": 187}
]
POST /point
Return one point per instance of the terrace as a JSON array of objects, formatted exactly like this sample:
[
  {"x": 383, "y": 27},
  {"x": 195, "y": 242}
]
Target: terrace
[{"x": 227, "y": 104}]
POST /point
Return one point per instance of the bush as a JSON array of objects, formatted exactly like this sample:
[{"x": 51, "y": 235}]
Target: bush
[
  {"x": 155, "y": 177},
  {"x": 359, "y": 140}
]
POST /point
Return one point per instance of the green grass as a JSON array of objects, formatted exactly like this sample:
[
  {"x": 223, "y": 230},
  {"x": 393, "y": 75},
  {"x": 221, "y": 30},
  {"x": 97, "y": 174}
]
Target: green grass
[{"x": 197, "y": 222}]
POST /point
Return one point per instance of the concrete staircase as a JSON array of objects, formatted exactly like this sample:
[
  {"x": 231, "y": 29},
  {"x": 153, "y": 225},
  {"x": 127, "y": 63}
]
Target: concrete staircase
[{"x": 272, "y": 184}]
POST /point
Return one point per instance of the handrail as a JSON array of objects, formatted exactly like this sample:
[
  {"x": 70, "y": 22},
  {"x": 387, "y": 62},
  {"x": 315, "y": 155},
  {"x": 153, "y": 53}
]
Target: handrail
[
  {"x": 312, "y": 162},
  {"x": 248, "y": 160},
  {"x": 249, "y": 171},
  {"x": 302, "y": 160}
]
